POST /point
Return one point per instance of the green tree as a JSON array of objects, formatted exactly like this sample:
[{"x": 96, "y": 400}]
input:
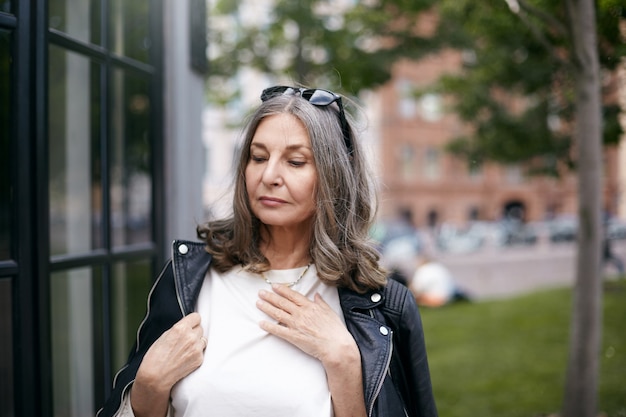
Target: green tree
[
  {"x": 523, "y": 51},
  {"x": 547, "y": 55},
  {"x": 348, "y": 48}
]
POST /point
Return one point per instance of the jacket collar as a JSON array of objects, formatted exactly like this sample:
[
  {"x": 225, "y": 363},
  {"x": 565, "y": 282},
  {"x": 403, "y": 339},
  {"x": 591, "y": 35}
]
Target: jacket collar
[
  {"x": 191, "y": 259},
  {"x": 351, "y": 300}
]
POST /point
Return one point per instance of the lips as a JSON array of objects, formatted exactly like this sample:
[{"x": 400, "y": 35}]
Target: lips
[{"x": 271, "y": 201}]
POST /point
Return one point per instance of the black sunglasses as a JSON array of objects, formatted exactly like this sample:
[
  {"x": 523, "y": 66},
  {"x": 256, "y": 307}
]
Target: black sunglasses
[{"x": 317, "y": 97}]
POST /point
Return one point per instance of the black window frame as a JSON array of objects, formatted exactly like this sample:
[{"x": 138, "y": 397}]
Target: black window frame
[{"x": 31, "y": 265}]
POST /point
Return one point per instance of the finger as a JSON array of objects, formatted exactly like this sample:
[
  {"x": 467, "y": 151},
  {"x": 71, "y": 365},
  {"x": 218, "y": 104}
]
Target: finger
[
  {"x": 290, "y": 294},
  {"x": 192, "y": 320},
  {"x": 277, "y": 300},
  {"x": 318, "y": 299},
  {"x": 204, "y": 342},
  {"x": 187, "y": 330},
  {"x": 273, "y": 311},
  {"x": 277, "y": 329}
]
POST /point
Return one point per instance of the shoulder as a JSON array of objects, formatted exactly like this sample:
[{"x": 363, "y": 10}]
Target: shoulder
[
  {"x": 393, "y": 298},
  {"x": 396, "y": 296},
  {"x": 399, "y": 309},
  {"x": 392, "y": 294}
]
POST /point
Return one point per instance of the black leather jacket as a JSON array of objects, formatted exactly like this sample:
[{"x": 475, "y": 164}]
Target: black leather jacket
[{"x": 385, "y": 324}]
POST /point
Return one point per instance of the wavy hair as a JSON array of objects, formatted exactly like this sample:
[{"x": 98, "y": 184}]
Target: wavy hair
[{"x": 340, "y": 246}]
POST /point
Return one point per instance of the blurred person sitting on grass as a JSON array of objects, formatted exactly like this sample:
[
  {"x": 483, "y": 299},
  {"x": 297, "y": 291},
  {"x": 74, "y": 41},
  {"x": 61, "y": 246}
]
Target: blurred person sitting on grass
[{"x": 433, "y": 285}]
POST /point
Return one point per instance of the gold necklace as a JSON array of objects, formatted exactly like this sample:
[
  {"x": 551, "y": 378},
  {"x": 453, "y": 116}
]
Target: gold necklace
[{"x": 289, "y": 284}]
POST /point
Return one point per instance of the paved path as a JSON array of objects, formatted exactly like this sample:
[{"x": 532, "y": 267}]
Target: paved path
[{"x": 504, "y": 272}]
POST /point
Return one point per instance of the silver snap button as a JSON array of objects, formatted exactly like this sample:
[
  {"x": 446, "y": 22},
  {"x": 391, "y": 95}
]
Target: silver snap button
[
  {"x": 376, "y": 297},
  {"x": 183, "y": 249},
  {"x": 384, "y": 331}
]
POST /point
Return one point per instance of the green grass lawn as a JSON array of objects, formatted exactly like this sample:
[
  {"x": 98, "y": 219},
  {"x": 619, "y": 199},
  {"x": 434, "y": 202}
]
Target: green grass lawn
[{"x": 507, "y": 358}]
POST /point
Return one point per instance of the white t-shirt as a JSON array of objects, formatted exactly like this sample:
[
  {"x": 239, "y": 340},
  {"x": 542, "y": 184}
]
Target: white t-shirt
[{"x": 246, "y": 371}]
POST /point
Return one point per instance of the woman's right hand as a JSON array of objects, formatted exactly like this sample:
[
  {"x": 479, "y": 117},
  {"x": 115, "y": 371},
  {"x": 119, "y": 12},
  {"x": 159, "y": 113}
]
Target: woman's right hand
[{"x": 178, "y": 352}]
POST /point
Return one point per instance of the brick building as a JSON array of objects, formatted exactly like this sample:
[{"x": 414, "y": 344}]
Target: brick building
[{"x": 418, "y": 174}]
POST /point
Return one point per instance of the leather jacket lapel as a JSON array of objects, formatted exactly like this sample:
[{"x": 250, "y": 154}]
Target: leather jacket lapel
[
  {"x": 373, "y": 337},
  {"x": 191, "y": 262}
]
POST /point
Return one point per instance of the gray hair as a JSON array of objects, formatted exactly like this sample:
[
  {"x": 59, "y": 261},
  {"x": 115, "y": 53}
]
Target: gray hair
[{"x": 341, "y": 248}]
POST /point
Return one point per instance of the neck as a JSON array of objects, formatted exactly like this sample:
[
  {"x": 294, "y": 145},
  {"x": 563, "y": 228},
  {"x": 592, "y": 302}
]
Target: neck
[{"x": 286, "y": 250}]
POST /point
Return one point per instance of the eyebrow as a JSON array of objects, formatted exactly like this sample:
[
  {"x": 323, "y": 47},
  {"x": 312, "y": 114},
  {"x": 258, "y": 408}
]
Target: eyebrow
[{"x": 289, "y": 147}]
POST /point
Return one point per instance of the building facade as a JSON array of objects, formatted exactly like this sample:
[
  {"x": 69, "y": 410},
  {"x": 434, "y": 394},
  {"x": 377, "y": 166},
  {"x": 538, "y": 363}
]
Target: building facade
[
  {"x": 100, "y": 167},
  {"x": 418, "y": 175}
]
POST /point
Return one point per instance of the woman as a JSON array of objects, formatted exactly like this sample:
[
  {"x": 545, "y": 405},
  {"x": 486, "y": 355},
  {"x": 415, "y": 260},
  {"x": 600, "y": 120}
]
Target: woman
[{"x": 283, "y": 310}]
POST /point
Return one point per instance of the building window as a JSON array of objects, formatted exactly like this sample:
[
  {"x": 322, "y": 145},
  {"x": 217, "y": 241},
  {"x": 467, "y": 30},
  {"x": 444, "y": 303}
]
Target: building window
[
  {"x": 432, "y": 218},
  {"x": 430, "y": 107},
  {"x": 407, "y": 106},
  {"x": 73, "y": 295},
  {"x": 81, "y": 126},
  {"x": 473, "y": 213},
  {"x": 432, "y": 164},
  {"x": 130, "y": 281},
  {"x": 130, "y": 27},
  {"x": 131, "y": 179},
  {"x": 406, "y": 159},
  {"x": 75, "y": 184},
  {"x": 103, "y": 127},
  {"x": 79, "y": 20}
]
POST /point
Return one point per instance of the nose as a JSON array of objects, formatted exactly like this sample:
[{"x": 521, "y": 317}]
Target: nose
[{"x": 272, "y": 175}]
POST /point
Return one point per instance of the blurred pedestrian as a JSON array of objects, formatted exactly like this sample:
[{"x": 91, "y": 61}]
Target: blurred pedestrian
[{"x": 608, "y": 255}]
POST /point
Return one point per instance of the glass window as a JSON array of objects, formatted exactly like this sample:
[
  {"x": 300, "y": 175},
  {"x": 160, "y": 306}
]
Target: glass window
[
  {"x": 131, "y": 28},
  {"x": 406, "y": 98},
  {"x": 432, "y": 164},
  {"x": 6, "y": 349},
  {"x": 79, "y": 19},
  {"x": 406, "y": 161},
  {"x": 431, "y": 108},
  {"x": 131, "y": 168},
  {"x": 74, "y": 321},
  {"x": 130, "y": 285},
  {"x": 74, "y": 154},
  {"x": 6, "y": 195}
]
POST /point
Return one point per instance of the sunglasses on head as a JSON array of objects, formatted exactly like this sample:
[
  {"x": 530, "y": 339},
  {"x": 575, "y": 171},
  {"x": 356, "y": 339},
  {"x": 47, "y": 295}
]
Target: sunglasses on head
[{"x": 317, "y": 97}]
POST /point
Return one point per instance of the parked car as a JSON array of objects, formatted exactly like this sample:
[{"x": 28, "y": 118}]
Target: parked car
[
  {"x": 454, "y": 239},
  {"x": 562, "y": 229},
  {"x": 515, "y": 232}
]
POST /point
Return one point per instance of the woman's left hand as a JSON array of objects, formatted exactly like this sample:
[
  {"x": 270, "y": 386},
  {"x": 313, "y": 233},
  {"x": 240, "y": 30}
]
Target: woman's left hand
[{"x": 312, "y": 326}]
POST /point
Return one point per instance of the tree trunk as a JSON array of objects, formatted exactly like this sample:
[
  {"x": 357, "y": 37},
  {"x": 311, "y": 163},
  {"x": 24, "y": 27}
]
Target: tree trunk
[{"x": 581, "y": 383}]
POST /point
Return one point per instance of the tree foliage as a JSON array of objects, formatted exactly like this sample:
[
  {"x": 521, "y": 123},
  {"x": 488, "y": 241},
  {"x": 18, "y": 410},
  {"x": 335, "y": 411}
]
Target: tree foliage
[
  {"x": 344, "y": 46},
  {"x": 515, "y": 51},
  {"x": 516, "y": 89}
]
